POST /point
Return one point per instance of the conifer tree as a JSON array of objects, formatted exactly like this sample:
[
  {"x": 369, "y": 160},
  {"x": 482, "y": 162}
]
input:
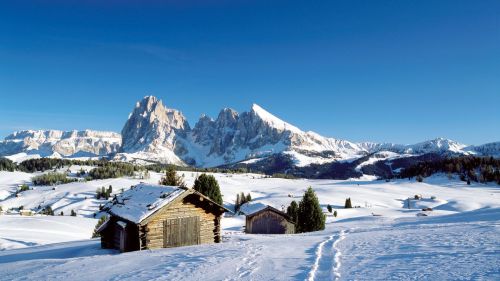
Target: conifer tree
[
  {"x": 329, "y": 208},
  {"x": 310, "y": 216},
  {"x": 172, "y": 179},
  {"x": 237, "y": 203},
  {"x": 208, "y": 186},
  {"x": 348, "y": 203},
  {"x": 103, "y": 193},
  {"x": 292, "y": 211}
]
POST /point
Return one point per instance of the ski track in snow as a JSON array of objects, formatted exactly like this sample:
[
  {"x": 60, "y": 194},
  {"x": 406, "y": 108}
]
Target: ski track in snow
[
  {"x": 327, "y": 263},
  {"x": 338, "y": 254}
]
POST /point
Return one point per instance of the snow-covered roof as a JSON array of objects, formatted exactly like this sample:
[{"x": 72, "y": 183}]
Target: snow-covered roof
[
  {"x": 141, "y": 201},
  {"x": 251, "y": 209}
]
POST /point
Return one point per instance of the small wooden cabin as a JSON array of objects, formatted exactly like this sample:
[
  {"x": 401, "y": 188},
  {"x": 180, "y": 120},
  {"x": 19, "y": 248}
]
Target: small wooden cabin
[
  {"x": 155, "y": 216},
  {"x": 26, "y": 213},
  {"x": 269, "y": 221}
]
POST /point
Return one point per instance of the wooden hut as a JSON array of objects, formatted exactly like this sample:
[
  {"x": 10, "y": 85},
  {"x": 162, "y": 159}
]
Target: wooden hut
[
  {"x": 26, "y": 213},
  {"x": 156, "y": 216},
  {"x": 269, "y": 220}
]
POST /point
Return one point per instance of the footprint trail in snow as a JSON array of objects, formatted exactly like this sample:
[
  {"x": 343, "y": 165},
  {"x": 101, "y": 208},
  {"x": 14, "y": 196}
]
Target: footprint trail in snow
[{"x": 327, "y": 264}]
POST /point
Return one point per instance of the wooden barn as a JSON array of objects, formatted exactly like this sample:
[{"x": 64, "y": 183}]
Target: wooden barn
[
  {"x": 269, "y": 220},
  {"x": 156, "y": 216}
]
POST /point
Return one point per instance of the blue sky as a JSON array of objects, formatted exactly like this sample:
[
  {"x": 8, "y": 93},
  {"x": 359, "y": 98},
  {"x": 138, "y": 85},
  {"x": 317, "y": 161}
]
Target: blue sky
[{"x": 396, "y": 71}]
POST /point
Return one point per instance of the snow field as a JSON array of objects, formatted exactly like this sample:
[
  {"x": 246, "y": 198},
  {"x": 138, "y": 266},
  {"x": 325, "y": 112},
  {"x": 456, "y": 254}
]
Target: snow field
[{"x": 380, "y": 240}]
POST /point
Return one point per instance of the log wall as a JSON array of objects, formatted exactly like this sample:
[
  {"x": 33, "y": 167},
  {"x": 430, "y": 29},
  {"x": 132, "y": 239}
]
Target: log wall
[
  {"x": 152, "y": 234},
  {"x": 268, "y": 222}
]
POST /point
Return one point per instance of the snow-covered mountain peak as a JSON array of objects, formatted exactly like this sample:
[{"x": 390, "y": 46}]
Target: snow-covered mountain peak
[
  {"x": 152, "y": 129},
  {"x": 57, "y": 143},
  {"x": 436, "y": 145},
  {"x": 227, "y": 118},
  {"x": 148, "y": 102},
  {"x": 154, "y": 132},
  {"x": 272, "y": 120}
]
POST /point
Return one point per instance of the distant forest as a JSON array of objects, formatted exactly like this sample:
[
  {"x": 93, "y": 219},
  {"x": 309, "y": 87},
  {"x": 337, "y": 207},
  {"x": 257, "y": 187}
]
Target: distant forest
[
  {"x": 103, "y": 167},
  {"x": 469, "y": 168}
]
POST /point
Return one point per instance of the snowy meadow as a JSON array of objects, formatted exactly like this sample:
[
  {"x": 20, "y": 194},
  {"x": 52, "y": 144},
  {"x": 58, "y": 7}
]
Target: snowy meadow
[{"x": 386, "y": 236}]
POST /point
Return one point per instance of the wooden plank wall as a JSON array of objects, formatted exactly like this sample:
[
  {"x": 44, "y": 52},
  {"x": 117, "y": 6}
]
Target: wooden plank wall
[
  {"x": 152, "y": 234},
  {"x": 269, "y": 222},
  {"x": 181, "y": 232}
]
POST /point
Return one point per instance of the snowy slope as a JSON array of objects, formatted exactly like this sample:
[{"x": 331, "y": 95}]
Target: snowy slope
[
  {"x": 459, "y": 239},
  {"x": 369, "y": 249},
  {"x": 20, "y": 231}
]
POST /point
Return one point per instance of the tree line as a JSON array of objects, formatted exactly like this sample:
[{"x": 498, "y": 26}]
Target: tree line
[
  {"x": 469, "y": 168},
  {"x": 113, "y": 170},
  {"x": 52, "y": 179},
  {"x": 45, "y": 164}
]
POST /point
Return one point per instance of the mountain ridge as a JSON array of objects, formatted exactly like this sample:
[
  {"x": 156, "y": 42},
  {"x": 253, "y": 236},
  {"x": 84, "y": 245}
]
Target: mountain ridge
[{"x": 156, "y": 133}]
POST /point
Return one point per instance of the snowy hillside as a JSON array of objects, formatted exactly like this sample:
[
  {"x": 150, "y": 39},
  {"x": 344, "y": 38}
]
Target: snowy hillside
[{"x": 383, "y": 239}]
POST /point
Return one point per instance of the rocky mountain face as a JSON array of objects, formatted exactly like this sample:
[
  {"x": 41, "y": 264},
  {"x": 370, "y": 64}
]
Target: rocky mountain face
[
  {"x": 154, "y": 132},
  {"x": 255, "y": 139},
  {"x": 54, "y": 143},
  {"x": 489, "y": 149}
]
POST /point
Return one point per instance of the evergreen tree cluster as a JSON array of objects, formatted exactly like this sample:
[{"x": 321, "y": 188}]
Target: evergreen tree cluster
[
  {"x": 103, "y": 193},
  {"x": 472, "y": 168},
  {"x": 45, "y": 164},
  {"x": 307, "y": 215},
  {"x": 113, "y": 170},
  {"x": 208, "y": 186},
  {"x": 42, "y": 164},
  {"x": 172, "y": 179},
  {"x": 81, "y": 173},
  {"x": 241, "y": 199},
  {"x": 47, "y": 211},
  {"x": 204, "y": 184},
  {"x": 51, "y": 178},
  {"x": 7, "y": 165},
  {"x": 162, "y": 167},
  {"x": 24, "y": 187}
]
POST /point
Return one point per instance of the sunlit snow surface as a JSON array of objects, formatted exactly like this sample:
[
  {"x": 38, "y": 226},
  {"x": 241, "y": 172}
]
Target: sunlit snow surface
[{"x": 459, "y": 240}]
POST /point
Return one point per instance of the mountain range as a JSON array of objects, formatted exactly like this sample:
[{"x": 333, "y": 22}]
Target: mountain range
[{"x": 257, "y": 138}]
